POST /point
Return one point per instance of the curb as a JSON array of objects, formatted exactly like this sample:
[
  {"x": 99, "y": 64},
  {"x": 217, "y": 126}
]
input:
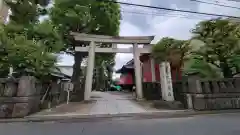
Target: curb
[{"x": 108, "y": 117}]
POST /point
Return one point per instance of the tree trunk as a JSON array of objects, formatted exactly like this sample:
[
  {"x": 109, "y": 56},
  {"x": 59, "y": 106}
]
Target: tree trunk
[
  {"x": 78, "y": 91},
  {"x": 97, "y": 77},
  {"x": 227, "y": 72},
  {"x": 102, "y": 77}
]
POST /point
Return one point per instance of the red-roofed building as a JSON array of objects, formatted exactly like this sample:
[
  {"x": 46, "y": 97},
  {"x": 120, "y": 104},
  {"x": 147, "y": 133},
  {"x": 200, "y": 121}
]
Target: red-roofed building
[{"x": 148, "y": 68}]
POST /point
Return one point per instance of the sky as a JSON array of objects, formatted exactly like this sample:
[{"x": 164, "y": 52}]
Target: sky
[{"x": 138, "y": 21}]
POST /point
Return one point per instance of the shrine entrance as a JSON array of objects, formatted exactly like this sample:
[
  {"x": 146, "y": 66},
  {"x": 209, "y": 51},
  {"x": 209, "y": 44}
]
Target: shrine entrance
[{"x": 92, "y": 48}]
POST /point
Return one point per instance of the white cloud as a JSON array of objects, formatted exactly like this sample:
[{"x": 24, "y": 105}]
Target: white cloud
[
  {"x": 143, "y": 2},
  {"x": 126, "y": 29},
  {"x": 207, "y": 8},
  {"x": 179, "y": 27},
  {"x": 173, "y": 24},
  {"x": 175, "y": 27},
  {"x": 129, "y": 29}
]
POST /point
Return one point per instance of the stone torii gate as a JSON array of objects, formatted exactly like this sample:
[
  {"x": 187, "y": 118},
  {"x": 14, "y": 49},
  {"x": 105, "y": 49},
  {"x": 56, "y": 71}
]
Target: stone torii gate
[{"x": 93, "y": 40}]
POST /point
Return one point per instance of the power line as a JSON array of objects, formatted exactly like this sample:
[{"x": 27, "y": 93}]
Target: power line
[
  {"x": 215, "y": 4},
  {"x": 170, "y": 9},
  {"x": 164, "y": 15},
  {"x": 170, "y": 14}
]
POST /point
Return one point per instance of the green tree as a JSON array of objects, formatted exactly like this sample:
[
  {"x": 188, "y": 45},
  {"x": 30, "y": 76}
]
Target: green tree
[
  {"x": 25, "y": 12},
  {"x": 24, "y": 20},
  {"x": 195, "y": 64},
  {"x": 27, "y": 57},
  {"x": 88, "y": 16},
  {"x": 221, "y": 49},
  {"x": 104, "y": 69},
  {"x": 29, "y": 44},
  {"x": 172, "y": 50}
]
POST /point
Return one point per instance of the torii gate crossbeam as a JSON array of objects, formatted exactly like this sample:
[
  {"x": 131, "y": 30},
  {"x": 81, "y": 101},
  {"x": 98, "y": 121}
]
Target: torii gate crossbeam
[{"x": 92, "y": 49}]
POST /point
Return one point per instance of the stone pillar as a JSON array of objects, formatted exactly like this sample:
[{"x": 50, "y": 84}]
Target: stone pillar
[
  {"x": 153, "y": 70},
  {"x": 138, "y": 73},
  {"x": 196, "y": 87},
  {"x": 90, "y": 67},
  {"x": 166, "y": 81},
  {"x": 189, "y": 101},
  {"x": 27, "y": 91}
]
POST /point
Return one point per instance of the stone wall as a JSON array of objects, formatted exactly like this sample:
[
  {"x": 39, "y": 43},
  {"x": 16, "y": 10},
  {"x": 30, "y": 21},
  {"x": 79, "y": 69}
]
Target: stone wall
[
  {"x": 152, "y": 91},
  {"x": 21, "y": 97},
  {"x": 200, "y": 94},
  {"x": 180, "y": 88},
  {"x": 18, "y": 98},
  {"x": 211, "y": 94}
]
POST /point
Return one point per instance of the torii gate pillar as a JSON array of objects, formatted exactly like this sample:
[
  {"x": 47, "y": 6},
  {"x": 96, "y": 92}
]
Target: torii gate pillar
[
  {"x": 138, "y": 73},
  {"x": 92, "y": 49},
  {"x": 90, "y": 68}
]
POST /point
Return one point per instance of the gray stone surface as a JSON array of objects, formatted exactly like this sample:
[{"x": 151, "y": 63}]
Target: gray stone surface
[
  {"x": 10, "y": 89},
  {"x": 26, "y": 86},
  {"x": 199, "y": 103},
  {"x": 6, "y": 110},
  {"x": 224, "y": 124},
  {"x": 216, "y": 102},
  {"x": 168, "y": 105},
  {"x": 21, "y": 110},
  {"x": 114, "y": 103},
  {"x": 21, "y": 97},
  {"x": 101, "y": 103}
]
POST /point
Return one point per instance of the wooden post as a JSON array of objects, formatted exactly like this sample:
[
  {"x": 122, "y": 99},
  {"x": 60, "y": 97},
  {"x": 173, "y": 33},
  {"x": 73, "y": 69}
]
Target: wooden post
[{"x": 90, "y": 67}]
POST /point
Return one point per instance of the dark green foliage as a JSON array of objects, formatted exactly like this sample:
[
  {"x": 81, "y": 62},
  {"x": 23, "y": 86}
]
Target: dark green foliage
[
  {"x": 85, "y": 16},
  {"x": 28, "y": 45},
  {"x": 221, "y": 49}
]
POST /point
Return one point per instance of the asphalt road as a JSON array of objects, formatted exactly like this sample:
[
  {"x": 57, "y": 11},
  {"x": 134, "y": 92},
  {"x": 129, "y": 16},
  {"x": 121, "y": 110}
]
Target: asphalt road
[{"x": 222, "y": 124}]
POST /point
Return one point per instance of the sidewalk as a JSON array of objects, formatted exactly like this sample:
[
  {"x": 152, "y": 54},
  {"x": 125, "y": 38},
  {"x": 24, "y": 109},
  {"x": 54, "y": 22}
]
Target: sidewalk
[
  {"x": 101, "y": 103},
  {"x": 108, "y": 106}
]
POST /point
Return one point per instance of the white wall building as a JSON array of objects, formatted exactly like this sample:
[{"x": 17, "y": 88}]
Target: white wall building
[{"x": 67, "y": 70}]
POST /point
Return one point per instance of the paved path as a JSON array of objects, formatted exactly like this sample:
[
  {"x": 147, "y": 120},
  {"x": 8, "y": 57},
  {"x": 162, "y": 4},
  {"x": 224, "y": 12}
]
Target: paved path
[
  {"x": 101, "y": 103},
  {"x": 225, "y": 124},
  {"x": 115, "y": 103}
]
